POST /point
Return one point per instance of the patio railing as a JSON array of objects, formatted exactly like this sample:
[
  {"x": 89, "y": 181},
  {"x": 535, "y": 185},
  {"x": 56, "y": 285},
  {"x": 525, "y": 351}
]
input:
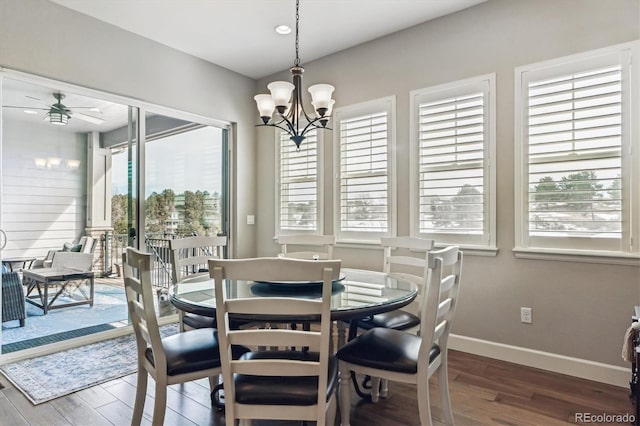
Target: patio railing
[{"x": 158, "y": 245}]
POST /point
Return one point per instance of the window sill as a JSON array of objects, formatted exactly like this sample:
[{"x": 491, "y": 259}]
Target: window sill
[
  {"x": 578, "y": 256},
  {"x": 467, "y": 250}
]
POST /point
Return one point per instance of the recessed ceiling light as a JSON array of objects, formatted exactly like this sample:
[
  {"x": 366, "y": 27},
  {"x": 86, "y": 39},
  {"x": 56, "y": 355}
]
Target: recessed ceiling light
[
  {"x": 95, "y": 109},
  {"x": 30, "y": 111},
  {"x": 283, "y": 29}
]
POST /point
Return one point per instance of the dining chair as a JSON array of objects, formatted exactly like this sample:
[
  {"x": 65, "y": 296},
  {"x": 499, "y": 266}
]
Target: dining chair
[
  {"x": 284, "y": 384},
  {"x": 303, "y": 242},
  {"x": 178, "y": 358},
  {"x": 189, "y": 255},
  {"x": 403, "y": 257},
  {"x": 401, "y": 356}
]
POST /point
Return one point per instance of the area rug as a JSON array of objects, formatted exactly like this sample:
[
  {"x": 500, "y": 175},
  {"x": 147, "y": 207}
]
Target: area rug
[{"x": 52, "y": 376}]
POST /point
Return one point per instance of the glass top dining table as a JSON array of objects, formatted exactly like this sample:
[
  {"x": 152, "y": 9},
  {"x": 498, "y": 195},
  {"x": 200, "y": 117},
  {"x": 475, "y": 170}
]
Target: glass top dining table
[{"x": 357, "y": 294}]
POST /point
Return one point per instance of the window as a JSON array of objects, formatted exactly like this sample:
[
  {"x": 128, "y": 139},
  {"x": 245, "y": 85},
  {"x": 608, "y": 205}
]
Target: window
[
  {"x": 576, "y": 129},
  {"x": 364, "y": 199},
  {"x": 298, "y": 206},
  {"x": 453, "y": 146}
]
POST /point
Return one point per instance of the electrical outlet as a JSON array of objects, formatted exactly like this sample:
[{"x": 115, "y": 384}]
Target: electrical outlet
[{"x": 526, "y": 315}]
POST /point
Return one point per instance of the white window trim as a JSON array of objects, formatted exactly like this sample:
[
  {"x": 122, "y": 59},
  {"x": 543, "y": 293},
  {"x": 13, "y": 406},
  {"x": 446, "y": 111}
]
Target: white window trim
[
  {"x": 487, "y": 244},
  {"x": 387, "y": 104},
  {"x": 630, "y": 175},
  {"x": 320, "y": 178}
]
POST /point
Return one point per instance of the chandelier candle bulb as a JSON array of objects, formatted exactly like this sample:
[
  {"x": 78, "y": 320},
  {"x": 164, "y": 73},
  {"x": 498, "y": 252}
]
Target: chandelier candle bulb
[
  {"x": 281, "y": 93},
  {"x": 266, "y": 106},
  {"x": 321, "y": 97}
]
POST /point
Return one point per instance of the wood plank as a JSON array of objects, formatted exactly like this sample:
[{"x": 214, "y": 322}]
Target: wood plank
[
  {"x": 43, "y": 414},
  {"x": 118, "y": 413},
  {"x": 10, "y": 415},
  {"x": 77, "y": 412},
  {"x": 96, "y": 396}
]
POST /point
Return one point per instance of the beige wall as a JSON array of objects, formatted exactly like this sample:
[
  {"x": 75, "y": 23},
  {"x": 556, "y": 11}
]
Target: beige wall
[
  {"x": 43, "y": 38},
  {"x": 580, "y": 310}
]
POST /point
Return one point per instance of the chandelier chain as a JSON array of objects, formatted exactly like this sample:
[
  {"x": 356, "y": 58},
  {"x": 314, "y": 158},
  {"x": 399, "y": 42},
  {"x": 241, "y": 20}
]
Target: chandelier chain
[{"x": 297, "y": 61}]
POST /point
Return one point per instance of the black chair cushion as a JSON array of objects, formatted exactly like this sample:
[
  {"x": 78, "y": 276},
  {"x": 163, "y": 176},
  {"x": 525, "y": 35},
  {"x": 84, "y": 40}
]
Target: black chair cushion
[
  {"x": 192, "y": 350},
  {"x": 385, "y": 349},
  {"x": 398, "y": 320},
  {"x": 278, "y": 390},
  {"x": 198, "y": 321},
  {"x": 201, "y": 321}
]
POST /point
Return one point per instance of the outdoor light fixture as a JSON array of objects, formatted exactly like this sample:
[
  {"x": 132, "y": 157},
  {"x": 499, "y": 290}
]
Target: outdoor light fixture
[
  {"x": 58, "y": 118},
  {"x": 291, "y": 116},
  {"x": 58, "y": 114}
]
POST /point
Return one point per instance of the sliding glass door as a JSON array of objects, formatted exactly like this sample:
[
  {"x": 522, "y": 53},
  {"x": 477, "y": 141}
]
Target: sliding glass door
[{"x": 80, "y": 166}]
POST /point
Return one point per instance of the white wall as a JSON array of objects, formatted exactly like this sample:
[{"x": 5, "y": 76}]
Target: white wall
[
  {"x": 579, "y": 310},
  {"x": 43, "y": 38},
  {"x": 53, "y": 209}
]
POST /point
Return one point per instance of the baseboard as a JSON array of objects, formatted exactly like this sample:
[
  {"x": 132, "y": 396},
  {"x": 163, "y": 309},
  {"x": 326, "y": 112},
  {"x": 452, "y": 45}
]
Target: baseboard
[{"x": 577, "y": 367}]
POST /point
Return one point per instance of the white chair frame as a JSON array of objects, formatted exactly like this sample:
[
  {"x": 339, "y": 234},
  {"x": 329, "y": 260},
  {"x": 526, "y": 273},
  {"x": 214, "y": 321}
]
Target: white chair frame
[
  {"x": 436, "y": 317},
  {"x": 145, "y": 324},
  {"x": 275, "y": 269}
]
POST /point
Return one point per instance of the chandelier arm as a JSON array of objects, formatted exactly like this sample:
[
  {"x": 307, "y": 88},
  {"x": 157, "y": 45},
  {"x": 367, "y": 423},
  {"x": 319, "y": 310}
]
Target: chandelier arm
[
  {"x": 310, "y": 126},
  {"x": 274, "y": 125},
  {"x": 313, "y": 123},
  {"x": 289, "y": 125}
]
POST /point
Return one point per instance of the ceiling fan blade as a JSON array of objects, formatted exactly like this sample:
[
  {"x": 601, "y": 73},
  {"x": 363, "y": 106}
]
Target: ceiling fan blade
[
  {"x": 87, "y": 118},
  {"x": 23, "y": 107}
]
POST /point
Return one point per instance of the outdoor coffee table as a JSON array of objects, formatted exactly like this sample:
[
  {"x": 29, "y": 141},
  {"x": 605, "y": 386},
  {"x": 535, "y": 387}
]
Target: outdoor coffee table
[
  {"x": 60, "y": 279},
  {"x": 19, "y": 262}
]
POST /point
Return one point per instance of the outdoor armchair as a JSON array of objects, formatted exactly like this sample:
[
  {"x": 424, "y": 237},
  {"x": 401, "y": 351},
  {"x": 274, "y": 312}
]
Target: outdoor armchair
[
  {"x": 84, "y": 245},
  {"x": 13, "y": 307}
]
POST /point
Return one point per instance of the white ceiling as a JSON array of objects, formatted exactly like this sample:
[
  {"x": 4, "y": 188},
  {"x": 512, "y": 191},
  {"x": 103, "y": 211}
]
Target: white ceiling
[{"x": 239, "y": 34}]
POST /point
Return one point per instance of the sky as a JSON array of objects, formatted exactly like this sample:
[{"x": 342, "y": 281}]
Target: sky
[{"x": 187, "y": 161}]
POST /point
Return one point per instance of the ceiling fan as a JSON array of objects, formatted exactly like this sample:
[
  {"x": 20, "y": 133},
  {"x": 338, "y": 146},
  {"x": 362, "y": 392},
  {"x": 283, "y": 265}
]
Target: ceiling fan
[{"x": 59, "y": 114}]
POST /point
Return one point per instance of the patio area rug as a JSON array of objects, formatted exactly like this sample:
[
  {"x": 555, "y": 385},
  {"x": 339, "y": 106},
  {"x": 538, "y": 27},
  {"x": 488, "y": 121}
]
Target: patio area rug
[
  {"x": 110, "y": 306},
  {"x": 51, "y": 376}
]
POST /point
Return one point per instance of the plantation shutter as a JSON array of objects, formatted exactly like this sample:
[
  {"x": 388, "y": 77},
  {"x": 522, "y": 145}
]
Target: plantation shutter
[
  {"x": 452, "y": 140},
  {"x": 574, "y": 135},
  {"x": 364, "y": 179},
  {"x": 299, "y": 183}
]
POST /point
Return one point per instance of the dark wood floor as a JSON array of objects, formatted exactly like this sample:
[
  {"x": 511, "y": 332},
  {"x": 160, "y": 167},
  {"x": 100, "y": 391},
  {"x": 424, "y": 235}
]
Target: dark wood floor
[{"x": 483, "y": 391}]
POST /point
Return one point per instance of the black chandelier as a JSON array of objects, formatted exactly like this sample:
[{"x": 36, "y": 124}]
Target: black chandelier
[{"x": 291, "y": 116}]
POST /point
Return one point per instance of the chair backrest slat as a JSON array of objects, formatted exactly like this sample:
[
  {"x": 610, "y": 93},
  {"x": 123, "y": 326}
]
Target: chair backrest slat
[
  {"x": 277, "y": 367},
  {"x": 325, "y": 244},
  {"x": 276, "y": 337},
  {"x": 274, "y": 305}
]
